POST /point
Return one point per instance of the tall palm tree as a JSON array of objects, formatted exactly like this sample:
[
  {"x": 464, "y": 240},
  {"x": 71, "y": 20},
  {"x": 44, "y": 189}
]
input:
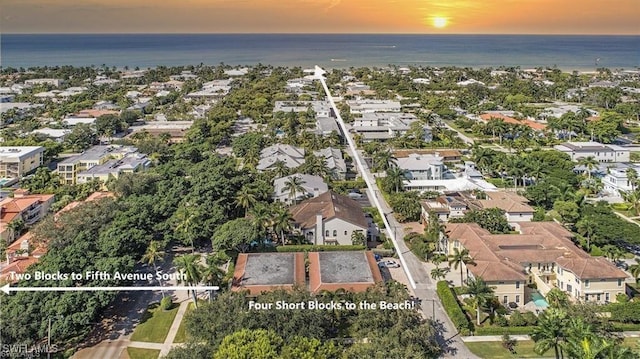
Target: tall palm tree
[
  {"x": 245, "y": 199},
  {"x": 458, "y": 258},
  {"x": 632, "y": 177},
  {"x": 481, "y": 292},
  {"x": 586, "y": 227},
  {"x": 212, "y": 275},
  {"x": 633, "y": 198},
  {"x": 589, "y": 162},
  {"x": 383, "y": 160},
  {"x": 280, "y": 169},
  {"x": 282, "y": 222},
  {"x": 294, "y": 185},
  {"x": 550, "y": 332},
  {"x": 395, "y": 178},
  {"x": 189, "y": 265},
  {"x": 634, "y": 269},
  {"x": 154, "y": 254},
  {"x": 187, "y": 219}
]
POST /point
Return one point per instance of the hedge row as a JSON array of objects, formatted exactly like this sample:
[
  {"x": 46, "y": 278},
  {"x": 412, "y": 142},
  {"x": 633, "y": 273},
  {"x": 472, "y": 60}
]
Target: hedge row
[
  {"x": 384, "y": 252},
  {"x": 625, "y": 327},
  {"x": 453, "y": 309},
  {"x": 503, "y": 330},
  {"x": 319, "y": 248}
]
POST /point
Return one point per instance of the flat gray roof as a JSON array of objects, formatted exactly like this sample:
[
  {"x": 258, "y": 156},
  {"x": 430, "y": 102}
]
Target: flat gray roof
[
  {"x": 269, "y": 269},
  {"x": 344, "y": 267}
]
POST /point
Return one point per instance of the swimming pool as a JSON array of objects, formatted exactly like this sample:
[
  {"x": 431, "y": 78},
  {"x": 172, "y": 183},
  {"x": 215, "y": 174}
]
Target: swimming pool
[{"x": 539, "y": 300}]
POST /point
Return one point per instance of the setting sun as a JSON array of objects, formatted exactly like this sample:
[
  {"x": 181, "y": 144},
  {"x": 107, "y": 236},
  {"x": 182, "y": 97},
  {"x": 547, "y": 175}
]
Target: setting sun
[{"x": 440, "y": 22}]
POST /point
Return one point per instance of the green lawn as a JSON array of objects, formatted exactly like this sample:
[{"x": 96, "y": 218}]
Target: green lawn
[
  {"x": 524, "y": 349},
  {"x": 181, "y": 335},
  {"x": 494, "y": 350},
  {"x": 139, "y": 353},
  {"x": 154, "y": 325}
]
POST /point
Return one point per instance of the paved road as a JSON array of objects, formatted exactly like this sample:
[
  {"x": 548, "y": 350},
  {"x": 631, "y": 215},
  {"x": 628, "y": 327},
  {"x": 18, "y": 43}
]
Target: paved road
[
  {"x": 417, "y": 274},
  {"x": 468, "y": 140}
]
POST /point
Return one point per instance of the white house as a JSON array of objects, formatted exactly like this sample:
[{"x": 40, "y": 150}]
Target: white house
[
  {"x": 422, "y": 167},
  {"x": 334, "y": 160},
  {"x": 330, "y": 219},
  {"x": 601, "y": 152},
  {"x": 369, "y": 106},
  {"x": 386, "y": 125},
  {"x": 616, "y": 180}
]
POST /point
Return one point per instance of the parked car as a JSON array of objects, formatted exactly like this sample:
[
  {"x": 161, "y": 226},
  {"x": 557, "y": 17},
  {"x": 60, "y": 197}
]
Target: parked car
[
  {"x": 389, "y": 264},
  {"x": 354, "y": 195}
]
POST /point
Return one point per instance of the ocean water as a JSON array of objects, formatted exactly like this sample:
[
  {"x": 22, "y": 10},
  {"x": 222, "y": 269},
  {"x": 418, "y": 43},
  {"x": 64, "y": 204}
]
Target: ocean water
[{"x": 328, "y": 50}]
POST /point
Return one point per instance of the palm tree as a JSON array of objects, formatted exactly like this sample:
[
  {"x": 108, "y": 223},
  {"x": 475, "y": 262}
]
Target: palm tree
[
  {"x": 632, "y": 177},
  {"x": 294, "y": 185},
  {"x": 439, "y": 273},
  {"x": 187, "y": 217},
  {"x": 395, "y": 178},
  {"x": 189, "y": 265},
  {"x": 458, "y": 258},
  {"x": 557, "y": 298},
  {"x": 280, "y": 169},
  {"x": 358, "y": 238},
  {"x": 586, "y": 227},
  {"x": 212, "y": 274},
  {"x": 282, "y": 222},
  {"x": 153, "y": 254},
  {"x": 261, "y": 219},
  {"x": 633, "y": 198},
  {"x": 589, "y": 162},
  {"x": 481, "y": 292},
  {"x": 16, "y": 228},
  {"x": 245, "y": 199},
  {"x": 634, "y": 269},
  {"x": 383, "y": 160},
  {"x": 550, "y": 332}
]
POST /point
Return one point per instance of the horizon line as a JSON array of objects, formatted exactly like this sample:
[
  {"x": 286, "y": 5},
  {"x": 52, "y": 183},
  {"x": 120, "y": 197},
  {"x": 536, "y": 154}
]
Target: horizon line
[{"x": 318, "y": 33}]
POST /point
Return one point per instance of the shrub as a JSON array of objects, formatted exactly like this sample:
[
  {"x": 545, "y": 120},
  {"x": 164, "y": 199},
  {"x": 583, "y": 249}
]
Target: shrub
[
  {"x": 501, "y": 321},
  {"x": 453, "y": 309},
  {"x": 384, "y": 252},
  {"x": 517, "y": 320},
  {"x": 530, "y": 318},
  {"x": 627, "y": 312},
  {"x": 509, "y": 343},
  {"x": 166, "y": 303},
  {"x": 318, "y": 248},
  {"x": 493, "y": 330}
]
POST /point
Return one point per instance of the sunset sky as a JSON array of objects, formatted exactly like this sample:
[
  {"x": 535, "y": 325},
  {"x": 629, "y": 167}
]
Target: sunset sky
[{"x": 322, "y": 16}]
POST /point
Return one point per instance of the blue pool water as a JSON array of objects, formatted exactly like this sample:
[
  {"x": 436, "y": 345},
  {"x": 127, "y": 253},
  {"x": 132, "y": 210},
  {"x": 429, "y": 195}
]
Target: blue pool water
[{"x": 539, "y": 300}]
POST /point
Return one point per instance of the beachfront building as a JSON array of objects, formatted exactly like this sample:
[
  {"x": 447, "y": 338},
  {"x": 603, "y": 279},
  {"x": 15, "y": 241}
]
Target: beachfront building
[
  {"x": 71, "y": 167},
  {"x": 542, "y": 253},
  {"x": 369, "y": 106},
  {"x": 312, "y": 186},
  {"x": 16, "y": 161},
  {"x": 291, "y": 156},
  {"x": 330, "y": 218},
  {"x": 599, "y": 151}
]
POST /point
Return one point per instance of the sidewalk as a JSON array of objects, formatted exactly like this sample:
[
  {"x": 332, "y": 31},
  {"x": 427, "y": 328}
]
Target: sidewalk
[{"x": 498, "y": 338}]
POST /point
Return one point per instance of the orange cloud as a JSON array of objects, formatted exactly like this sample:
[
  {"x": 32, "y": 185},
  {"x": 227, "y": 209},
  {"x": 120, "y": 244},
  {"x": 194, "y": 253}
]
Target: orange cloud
[{"x": 334, "y": 16}]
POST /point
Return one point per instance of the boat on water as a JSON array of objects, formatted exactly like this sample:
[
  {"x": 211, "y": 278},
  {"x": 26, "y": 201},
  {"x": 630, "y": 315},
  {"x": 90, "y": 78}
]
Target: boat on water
[{"x": 338, "y": 59}]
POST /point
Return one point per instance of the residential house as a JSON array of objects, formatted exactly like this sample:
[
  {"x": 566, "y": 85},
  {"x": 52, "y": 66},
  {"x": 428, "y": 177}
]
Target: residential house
[
  {"x": 382, "y": 126},
  {"x": 334, "y": 161},
  {"x": 57, "y": 135},
  {"x": 536, "y": 126},
  {"x": 599, "y": 151},
  {"x": 113, "y": 168},
  {"x": 17, "y": 161},
  {"x": 370, "y": 106},
  {"x": 71, "y": 167},
  {"x": 330, "y": 219},
  {"x": 515, "y": 206},
  {"x": 422, "y": 167},
  {"x": 291, "y": 156},
  {"x": 320, "y": 108},
  {"x": 541, "y": 256},
  {"x": 176, "y": 130},
  {"x": 312, "y": 186},
  {"x": 23, "y": 206},
  {"x": 327, "y": 125},
  {"x": 445, "y": 207},
  {"x": 52, "y": 82},
  {"x": 616, "y": 179}
]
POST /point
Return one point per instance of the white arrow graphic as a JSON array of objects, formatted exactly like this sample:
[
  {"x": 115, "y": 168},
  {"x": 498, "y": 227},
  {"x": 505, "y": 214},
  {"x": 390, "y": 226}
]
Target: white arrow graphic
[{"x": 6, "y": 289}]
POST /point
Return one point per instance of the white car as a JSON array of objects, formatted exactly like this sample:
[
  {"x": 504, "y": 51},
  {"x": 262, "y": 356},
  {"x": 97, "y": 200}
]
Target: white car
[{"x": 389, "y": 264}]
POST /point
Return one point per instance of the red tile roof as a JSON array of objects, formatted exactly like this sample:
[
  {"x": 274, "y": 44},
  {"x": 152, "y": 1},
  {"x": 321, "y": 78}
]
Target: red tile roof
[{"x": 496, "y": 116}]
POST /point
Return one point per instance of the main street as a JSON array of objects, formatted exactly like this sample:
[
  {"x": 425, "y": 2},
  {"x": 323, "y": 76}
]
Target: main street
[{"x": 419, "y": 278}]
